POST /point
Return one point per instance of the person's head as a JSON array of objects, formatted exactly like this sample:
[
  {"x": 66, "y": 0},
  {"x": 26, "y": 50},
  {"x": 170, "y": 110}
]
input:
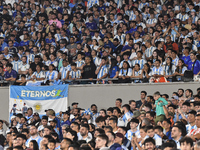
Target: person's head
[
  {"x": 143, "y": 131},
  {"x": 150, "y": 115},
  {"x": 113, "y": 123},
  {"x": 119, "y": 137},
  {"x": 197, "y": 120},
  {"x": 191, "y": 116},
  {"x": 134, "y": 123},
  {"x": 166, "y": 124},
  {"x": 102, "y": 112},
  {"x": 116, "y": 112},
  {"x": 126, "y": 108},
  {"x": 186, "y": 143},
  {"x": 157, "y": 63},
  {"x": 84, "y": 130},
  {"x": 143, "y": 95},
  {"x": 94, "y": 108},
  {"x": 156, "y": 95},
  {"x": 53, "y": 123},
  {"x": 149, "y": 144},
  {"x": 72, "y": 135},
  {"x": 150, "y": 131},
  {"x": 9, "y": 67},
  {"x": 188, "y": 93},
  {"x": 21, "y": 139},
  {"x": 101, "y": 141},
  {"x": 132, "y": 104},
  {"x": 111, "y": 137},
  {"x": 158, "y": 130},
  {"x": 118, "y": 102},
  {"x": 64, "y": 145},
  {"x": 51, "y": 144},
  {"x": 176, "y": 132},
  {"x": 33, "y": 130},
  {"x": 33, "y": 145},
  {"x": 47, "y": 130},
  {"x": 192, "y": 55},
  {"x": 147, "y": 107},
  {"x": 75, "y": 126},
  {"x": 171, "y": 108}
]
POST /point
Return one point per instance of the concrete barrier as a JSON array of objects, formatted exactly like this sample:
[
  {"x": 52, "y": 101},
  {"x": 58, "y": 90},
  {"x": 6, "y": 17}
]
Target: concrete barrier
[{"x": 104, "y": 96}]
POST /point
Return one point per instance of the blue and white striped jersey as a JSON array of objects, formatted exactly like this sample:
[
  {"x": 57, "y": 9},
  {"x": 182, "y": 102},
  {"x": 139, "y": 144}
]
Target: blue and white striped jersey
[
  {"x": 55, "y": 63},
  {"x": 167, "y": 71},
  {"x": 149, "y": 51},
  {"x": 96, "y": 60},
  {"x": 151, "y": 21},
  {"x": 141, "y": 62},
  {"x": 75, "y": 74},
  {"x": 157, "y": 71},
  {"x": 16, "y": 65},
  {"x": 58, "y": 37},
  {"x": 51, "y": 75},
  {"x": 175, "y": 61},
  {"x": 47, "y": 63},
  {"x": 102, "y": 71},
  {"x": 182, "y": 17},
  {"x": 121, "y": 63},
  {"x": 64, "y": 71},
  {"x": 79, "y": 63},
  {"x": 41, "y": 74},
  {"x": 123, "y": 72},
  {"x": 129, "y": 134},
  {"x": 137, "y": 40}
]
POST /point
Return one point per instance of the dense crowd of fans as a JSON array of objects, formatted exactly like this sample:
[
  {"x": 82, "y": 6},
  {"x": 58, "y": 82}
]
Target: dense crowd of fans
[
  {"x": 155, "y": 122},
  {"x": 51, "y": 41}
]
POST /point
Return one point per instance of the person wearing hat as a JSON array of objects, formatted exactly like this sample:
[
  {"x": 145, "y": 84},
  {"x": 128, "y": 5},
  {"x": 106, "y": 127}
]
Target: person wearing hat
[
  {"x": 119, "y": 137},
  {"x": 36, "y": 119},
  {"x": 65, "y": 118},
  {"x": 194, "y": 64}
]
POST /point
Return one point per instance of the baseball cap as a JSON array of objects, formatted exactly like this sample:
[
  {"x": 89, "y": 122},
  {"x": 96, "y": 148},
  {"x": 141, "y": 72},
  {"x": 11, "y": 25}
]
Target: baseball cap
[
  {"x": 53, "y": 120},
  {"x": 175, "y": 97},
  {"x": 35, "y": 114},
  {"x": 119, "y": 135},
  {"x": 75, "y": 103},
  {"x": 66, "y": 112},
  {"x": 136, "y": 114}
]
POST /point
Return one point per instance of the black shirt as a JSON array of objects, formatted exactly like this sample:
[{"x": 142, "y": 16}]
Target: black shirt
[
  {"x": 89, "y": 71},
  {"x": 33, "y": 66}
]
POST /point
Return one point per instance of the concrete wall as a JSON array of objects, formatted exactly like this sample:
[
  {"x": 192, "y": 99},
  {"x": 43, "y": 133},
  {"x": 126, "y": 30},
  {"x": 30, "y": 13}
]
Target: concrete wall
[{"x": 104, "y": 96}]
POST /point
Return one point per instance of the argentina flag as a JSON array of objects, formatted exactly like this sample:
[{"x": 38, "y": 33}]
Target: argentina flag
[{"x": 38, "y": 98}]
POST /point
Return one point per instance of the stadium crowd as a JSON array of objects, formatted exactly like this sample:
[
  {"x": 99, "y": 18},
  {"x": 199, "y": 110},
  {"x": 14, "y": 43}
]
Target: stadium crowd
[
  {"x": 51, "y": 41},
  {"x": 155, "y": 122}
]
